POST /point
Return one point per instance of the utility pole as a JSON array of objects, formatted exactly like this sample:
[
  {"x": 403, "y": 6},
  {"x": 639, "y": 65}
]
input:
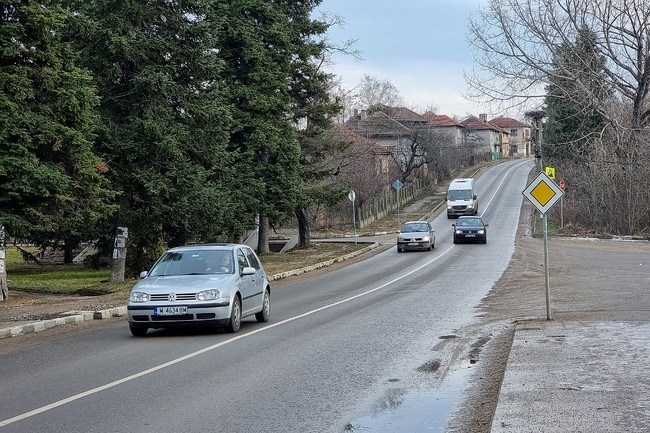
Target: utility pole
[{"x": 537, "y": 117}]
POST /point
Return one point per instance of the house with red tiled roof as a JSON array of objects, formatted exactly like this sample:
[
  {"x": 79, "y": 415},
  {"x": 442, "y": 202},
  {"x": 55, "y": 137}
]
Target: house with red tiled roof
[
  {"x": 447, "y": 126},
  {"x": 520, "y": 135},
  {"x": 486, "y": 137}
]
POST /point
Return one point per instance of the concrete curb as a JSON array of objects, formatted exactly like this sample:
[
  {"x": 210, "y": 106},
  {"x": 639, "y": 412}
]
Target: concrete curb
[
  {"x": 82, "y": 316},
  {"x": 324, "y": 264}
]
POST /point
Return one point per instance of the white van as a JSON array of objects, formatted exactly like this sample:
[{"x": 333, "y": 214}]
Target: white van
[{"x": 462, "y": 198}]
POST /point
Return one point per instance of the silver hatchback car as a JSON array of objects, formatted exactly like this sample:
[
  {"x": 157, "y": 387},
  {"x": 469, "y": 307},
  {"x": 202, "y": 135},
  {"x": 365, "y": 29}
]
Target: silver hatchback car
[
  {"x": 200, "y": 285},
  {"x": 416, "y": 235}
]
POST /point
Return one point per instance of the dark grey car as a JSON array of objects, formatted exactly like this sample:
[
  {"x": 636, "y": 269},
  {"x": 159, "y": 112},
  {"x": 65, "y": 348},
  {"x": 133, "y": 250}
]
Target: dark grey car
[{"x": 470, "y": 229}]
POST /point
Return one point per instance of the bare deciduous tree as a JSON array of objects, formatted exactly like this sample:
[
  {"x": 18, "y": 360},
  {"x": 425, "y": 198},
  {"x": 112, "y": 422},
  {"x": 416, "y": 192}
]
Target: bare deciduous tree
[
  {"x": 515, "y": 43},
  {"x": 596, "y": 57},
  {"x": 373, "y": 91}
]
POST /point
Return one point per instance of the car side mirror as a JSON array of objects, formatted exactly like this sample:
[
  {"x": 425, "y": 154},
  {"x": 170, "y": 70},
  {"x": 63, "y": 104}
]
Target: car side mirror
[
  {"x": 248, "y": 270},
  {"x": 143, "y": 274},
  {"x": 453, "y": 225},
  {"x": 474, "y": 197}
]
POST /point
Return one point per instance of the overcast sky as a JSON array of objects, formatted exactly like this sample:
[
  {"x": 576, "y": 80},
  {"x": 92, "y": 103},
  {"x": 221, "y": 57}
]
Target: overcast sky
[{"x": 419, "y": 46}]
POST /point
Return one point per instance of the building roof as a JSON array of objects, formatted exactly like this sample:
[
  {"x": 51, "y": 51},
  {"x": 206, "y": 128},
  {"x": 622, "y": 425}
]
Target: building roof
[
  {"x": 441, "y": 120},
  {"x": 508, "y": 123},
  {"x": 403, "y": 114},
  {"x": 475, "y": 124},
  {"x": 376, "y": 125}
]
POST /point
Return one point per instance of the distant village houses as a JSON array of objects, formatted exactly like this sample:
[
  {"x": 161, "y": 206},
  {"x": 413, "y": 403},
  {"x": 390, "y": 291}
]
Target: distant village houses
[{"x": 431, "y": 142}]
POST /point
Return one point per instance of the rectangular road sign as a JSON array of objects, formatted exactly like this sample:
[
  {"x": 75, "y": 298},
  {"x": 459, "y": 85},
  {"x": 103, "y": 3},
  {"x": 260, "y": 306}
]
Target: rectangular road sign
[{"x": 543, "y": 193}]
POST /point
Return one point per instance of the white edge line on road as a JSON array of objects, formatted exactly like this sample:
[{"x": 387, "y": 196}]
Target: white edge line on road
[
  {"x": 223, "y": 343},
  {"x": 207, "y": 349}
]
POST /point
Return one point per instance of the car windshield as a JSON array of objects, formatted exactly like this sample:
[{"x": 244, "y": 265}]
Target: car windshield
[
  {"x": 474, "y": 222},
  {"x": 415, "y": 227},
  {"x": 460, "y": 194},
  {"x": 194, "y": 262}
]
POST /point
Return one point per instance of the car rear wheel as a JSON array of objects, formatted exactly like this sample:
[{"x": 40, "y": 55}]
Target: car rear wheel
[
  {"x": 235, "y": 316},
  {"x": 263, "y": 316},
  {"x": 137, "y": 331}
]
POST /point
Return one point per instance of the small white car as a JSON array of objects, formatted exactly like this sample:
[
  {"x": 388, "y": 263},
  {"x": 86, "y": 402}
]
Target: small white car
[
  {"x": 416, "y": 235},
  {"x": 200, "y": 285}
]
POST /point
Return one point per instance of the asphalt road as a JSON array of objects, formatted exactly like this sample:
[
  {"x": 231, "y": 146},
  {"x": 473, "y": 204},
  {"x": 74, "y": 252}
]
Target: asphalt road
[{"x": 336, "y": 344}]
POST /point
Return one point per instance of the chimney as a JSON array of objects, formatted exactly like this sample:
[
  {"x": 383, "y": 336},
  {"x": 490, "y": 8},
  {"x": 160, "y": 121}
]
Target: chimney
[
  {"x": 356, "y": 112},
  {"x": 483, "y": 117}
]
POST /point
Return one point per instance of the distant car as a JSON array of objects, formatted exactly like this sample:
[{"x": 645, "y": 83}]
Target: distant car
[
  {"x": 200, "y": 285},
  {"x": 416, "y": 235},
  {"x": 470, "y": 229}
]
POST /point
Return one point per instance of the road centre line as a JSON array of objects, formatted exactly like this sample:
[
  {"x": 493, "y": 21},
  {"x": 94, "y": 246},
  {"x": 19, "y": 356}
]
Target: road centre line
[
  {"x": 209, "y": 348},
  {"x": 230, "y": 340}
]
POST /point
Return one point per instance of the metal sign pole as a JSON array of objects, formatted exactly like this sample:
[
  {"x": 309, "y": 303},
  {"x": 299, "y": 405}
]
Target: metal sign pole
[
  {"x": 546, "y": 271},
  {"x": 352, "y": 195}
]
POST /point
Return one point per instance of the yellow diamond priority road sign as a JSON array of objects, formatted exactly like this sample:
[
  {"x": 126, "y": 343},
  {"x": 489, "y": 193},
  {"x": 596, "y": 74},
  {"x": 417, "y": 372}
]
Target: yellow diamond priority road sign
[{"x": 543, "y": 193}]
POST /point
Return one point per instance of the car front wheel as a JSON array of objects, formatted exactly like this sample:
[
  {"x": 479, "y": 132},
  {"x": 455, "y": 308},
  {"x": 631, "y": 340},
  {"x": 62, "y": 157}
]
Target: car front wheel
[
  {"x": 263, "y": 316},
  {"x": 235, "y": 316}
]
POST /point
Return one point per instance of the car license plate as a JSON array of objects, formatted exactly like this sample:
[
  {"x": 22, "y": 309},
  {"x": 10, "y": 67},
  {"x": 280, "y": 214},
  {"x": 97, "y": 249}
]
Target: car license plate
[
  {"x": 169, "y": 311},
  {"x": 470, "y": 236},
  {"x": 413, "y": 244}
]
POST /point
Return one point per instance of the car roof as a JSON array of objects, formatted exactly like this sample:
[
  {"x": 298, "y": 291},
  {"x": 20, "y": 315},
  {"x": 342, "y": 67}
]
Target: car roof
[
  {"x": 414, "y": 222},
  {"x": 469, "y": 217},
  {"x": 216, "y": 246}
]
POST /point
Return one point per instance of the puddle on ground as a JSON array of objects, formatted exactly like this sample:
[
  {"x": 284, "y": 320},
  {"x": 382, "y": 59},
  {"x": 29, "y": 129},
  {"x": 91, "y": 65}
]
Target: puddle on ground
[{"x": 415, "y": 411}]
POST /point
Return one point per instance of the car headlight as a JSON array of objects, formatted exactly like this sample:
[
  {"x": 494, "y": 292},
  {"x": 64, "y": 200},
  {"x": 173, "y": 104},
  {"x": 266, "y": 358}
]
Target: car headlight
[
  {"x": 400, "y": 238},
  {"x": 426, "y": 238},
  {"x": 470, "y": 206},
  {"x": 139, "y": 297},
  {"x": 481, "y": 232},
  {"x": 208, "y": 295},
  {"x": 458, "y": 231}
]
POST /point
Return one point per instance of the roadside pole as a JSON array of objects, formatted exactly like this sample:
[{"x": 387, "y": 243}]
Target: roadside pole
[
  {"x": 119, "y": 255},
  {"x": 398, "y": 187},
  {"x": 4, "y": 289},
  {"x": 543, "y": 193},
  {"x": 352, "y": 195},
  {"x": 546, "y": 271}
]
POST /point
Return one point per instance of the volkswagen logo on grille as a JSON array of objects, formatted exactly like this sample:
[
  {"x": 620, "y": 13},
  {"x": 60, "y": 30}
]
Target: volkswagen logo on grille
[{"x": 171, "y": 297}]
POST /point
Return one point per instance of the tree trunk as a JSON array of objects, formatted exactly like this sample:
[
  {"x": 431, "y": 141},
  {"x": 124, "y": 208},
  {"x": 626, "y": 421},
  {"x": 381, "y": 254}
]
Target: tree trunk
[
  {"x": 68, "y": 249},
  {"x": 263, "y": 235},
  {"x": 119, "y": 255},
  {"x": 304, "y": 240}
]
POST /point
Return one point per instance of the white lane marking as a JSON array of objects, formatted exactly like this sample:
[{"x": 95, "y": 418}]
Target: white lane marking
[
  {"x": 223, "y": 343},
  {"x": 503, "y": 179},
  {"x": 207, "y": 349}
]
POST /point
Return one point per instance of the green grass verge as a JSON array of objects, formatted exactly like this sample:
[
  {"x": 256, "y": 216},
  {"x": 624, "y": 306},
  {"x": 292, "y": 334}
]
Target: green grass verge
[{"x": 61, "y": 279}]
